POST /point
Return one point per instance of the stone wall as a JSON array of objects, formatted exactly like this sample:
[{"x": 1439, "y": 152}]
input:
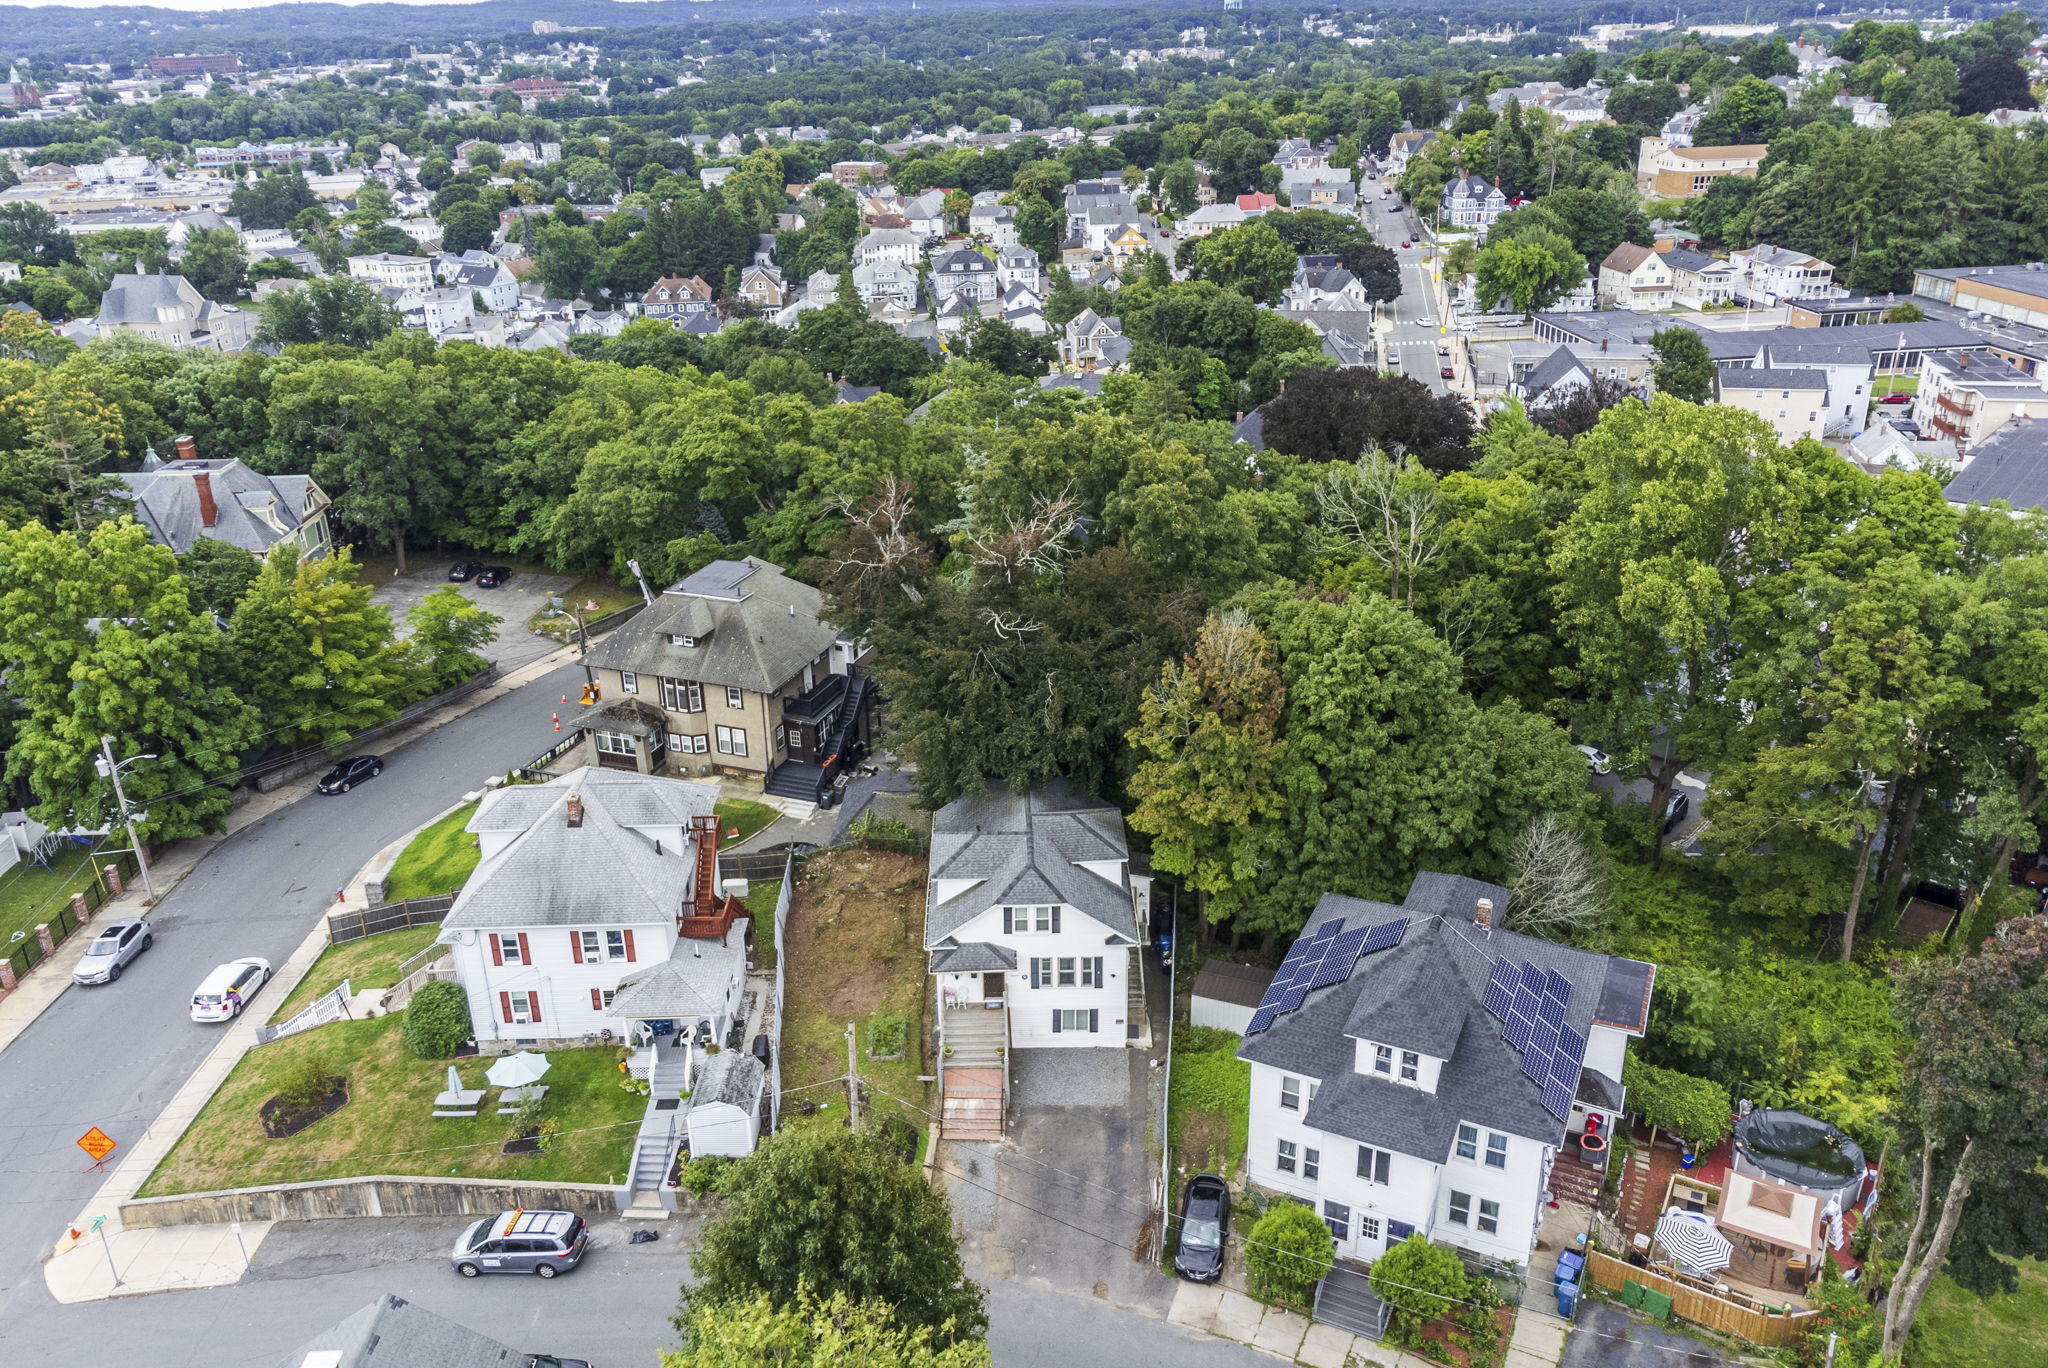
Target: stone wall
[{"x": 378, "y": 1196}]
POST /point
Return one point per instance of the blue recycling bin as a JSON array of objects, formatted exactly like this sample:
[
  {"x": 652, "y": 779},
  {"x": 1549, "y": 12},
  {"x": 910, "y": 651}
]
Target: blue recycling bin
[
  {"x": 1567, "y": 1300},
  {"x": 1569, "y": 1265}
]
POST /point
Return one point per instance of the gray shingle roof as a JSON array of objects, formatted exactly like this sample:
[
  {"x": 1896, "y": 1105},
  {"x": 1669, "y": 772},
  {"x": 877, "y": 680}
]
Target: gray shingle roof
[
  {"x": 605, "y": 872},
  {"x": 1024, "y": 849},
  {"x": 393, "y": 1333},
  {"x": 2011, "y": 464},
  {"x": 1426, "y": 994},
  {"x": 147, "y": 299},
  {"x": 1552, "y": 369},
  {"x": 692, "y": 982},
  {"x": 730, "y": 1076},
  {"x": 1759, "y": 378},
  {"x": 1797, "y": 354},
  {"x": 167, "y": 503},
  {"x": 975, "y": 956},
  {"x": 756, "y": 641}
]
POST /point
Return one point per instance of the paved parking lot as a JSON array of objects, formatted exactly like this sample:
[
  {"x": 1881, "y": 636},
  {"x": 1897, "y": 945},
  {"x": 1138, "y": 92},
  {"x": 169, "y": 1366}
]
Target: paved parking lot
[
  {"x": 1609, "y": 1337},
  {"x": 515, "y": 601}
]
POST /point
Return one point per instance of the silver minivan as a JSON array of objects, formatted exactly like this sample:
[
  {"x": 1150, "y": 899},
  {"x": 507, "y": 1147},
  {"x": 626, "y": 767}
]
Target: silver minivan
[{"x": 539, "y": 1242}]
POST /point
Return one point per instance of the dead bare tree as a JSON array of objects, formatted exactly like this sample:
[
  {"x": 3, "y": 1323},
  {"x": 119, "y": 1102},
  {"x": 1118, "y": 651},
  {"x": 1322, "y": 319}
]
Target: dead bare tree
[
  {"x": 1028, "y": 547},
  {"x": 879, "y": 547},
  {"x": 1368, "y": 506},
  {"x": 1560, "y": 889}
]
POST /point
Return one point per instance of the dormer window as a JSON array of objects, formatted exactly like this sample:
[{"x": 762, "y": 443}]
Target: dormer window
[
  {"x": 1383, "y": 1059},
  {"x": 680, "y": 639}
]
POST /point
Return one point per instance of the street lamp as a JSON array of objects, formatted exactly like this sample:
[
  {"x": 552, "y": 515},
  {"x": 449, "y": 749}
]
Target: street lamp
[{"x": 111, "y": 769}]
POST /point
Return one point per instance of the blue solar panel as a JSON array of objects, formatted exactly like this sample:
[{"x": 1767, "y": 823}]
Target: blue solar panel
[
  {"x": 1291, "y": 999},
  {"x": 1517, "y": 1030},
  {"x": 1570, "y": 1042},
  {"x": 1557, "y": 1100},
  {"x": 1551, "y": 1011},
  {"x": 1261, "y": 1019},
  {"x": 1329, "y": 929},
  {"x": 1564, "y": 1071},
  {"x": 1532, "y": 978},
  {"x": 1536, "y": 1064},
  {"x": 1542, "y": 1036},
  {"x": 1499, "y": 995},
  {"x": 1385, "y": 936},
  {"x": 1338, "y": 959},
  {"x": 1559, "y": 987}
]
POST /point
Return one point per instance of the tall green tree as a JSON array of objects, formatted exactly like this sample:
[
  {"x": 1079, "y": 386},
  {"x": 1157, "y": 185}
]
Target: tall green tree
[
  {"x": 1250, "y": 259},
  {"x": 311, "y": 650},
  {"x": 814, "y": 1332},
  {"x": 216, "y": 264},
  {"x": 1684, "y": 368},
  {"x": 218, "y": 573},
  {"x": 338, "y": 309},
  {"x": 1531, "y": 270}
]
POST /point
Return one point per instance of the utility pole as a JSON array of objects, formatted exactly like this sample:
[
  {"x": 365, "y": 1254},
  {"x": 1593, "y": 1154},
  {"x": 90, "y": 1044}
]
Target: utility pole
[
  {"x": 852, "y": 1075},
  {"x": 113, "y": 771}
]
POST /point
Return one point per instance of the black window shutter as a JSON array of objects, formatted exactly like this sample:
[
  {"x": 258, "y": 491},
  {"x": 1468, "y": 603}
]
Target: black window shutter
[
  {"x": 1098, "y": 971},
  {"x": 1034, "y": 973},
  {"x": 1055, "y": 1021},
  {"x": 1055, "y": 919},
  {"x": 1006, "y": 921},
  {"x": 1094, "y": 1020}
]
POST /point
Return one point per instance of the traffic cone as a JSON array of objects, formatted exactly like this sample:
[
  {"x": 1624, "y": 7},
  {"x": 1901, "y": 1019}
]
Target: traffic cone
[
  {"x": 557, "y": 718},
  {"x": 565, "y": 698}
]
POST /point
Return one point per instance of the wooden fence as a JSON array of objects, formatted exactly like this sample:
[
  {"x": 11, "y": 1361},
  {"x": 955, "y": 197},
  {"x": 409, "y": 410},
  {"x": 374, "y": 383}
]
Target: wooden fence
[
  {"x": 343, "y": 927},
  {"x": 1700, "y": 1307}
]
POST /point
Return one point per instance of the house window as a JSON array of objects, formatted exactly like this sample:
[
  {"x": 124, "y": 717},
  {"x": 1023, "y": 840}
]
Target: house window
[
  {"x": 680, "y": 695},
  {"x": 525, "y": 1008},
  {"x": 1075, "y": 1019},
  {"x": 1023, "y": 919},
  {"x": 1041, "y": 973},
  {"x": 508, "y": 950},
  {"x": 614, "y": 743},
  {"x": 688, "y": 745},
  {"x": 587, "y": 946},
  {"x": 1489, "y": 1216},
  {"x": 629, "y": 681},
  {"x": 1411, "y": 1064},
  {"x": 1284, "y": 1160},
  {"x": 1091, "y": 971},
  {"x": 1369, "y": 1229},
  {"x": 1383, "y": 1059},
  {"x": 1373, "y": 1164},
  {"x": 1311, "y": 1163},
  {"x": 1496, "y": 1150},
  {"x": 1468, "y": 1142},
  {"x": 1290, "y": 1093},
  {"x": 735, "y": 697},
  {"x": 604, "y": 997},
  {"x": 1461, "y": 1209},
  {"x": 615, "y": 945},
  {"x": 732, "y": 741},
  {"x": 1337, "y": 1217},
  {"x": 781, "y": 736},
  {"x": 1066, "y": 979}
]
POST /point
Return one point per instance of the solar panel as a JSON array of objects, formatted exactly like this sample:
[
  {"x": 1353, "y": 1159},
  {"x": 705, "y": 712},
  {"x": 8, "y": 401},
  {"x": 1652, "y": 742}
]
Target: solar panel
[
  {"x": 1536, "y": 1064},
  {"x": 1523, "y": 1004},
  {"x": 1498, "y": 993},
  {"x": 1560, "y": 987},
  {"x": 1533, "y": 979},
  {"x": 1291, "y": 999},
  {"x": 1570, "y": 1042},
  {"x": 1557, "y": 1100},
  {"x": 1385, "y": 936},
  {"x": 1338, "y": 959},
  {"x": 1542, "y": 1036},
  {"x": 1517, "y": 1030},
  {"x": 1551, "y": 1010},
  {"x": 1261, "y": 1019},
  {"x": 1329, "y": 929},
  {"x": 1564, "y": 1071}
]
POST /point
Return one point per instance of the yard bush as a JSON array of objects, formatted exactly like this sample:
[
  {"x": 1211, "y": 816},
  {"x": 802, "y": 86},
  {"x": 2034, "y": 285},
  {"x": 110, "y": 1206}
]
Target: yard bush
[
  {"x": 436, "y": 1021},
  {"x": 303, "y": 1080},
  {"x": 886, "y": 833},
  {"x": 1695, "y": 1108},
  {"x": 886, "y": 1034},
  {"x": 1288, "y": 1252},
  {"x": 1422, "y": 1282}
]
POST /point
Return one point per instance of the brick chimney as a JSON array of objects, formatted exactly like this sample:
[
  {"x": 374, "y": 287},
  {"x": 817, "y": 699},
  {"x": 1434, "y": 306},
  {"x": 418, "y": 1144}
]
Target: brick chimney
[
  {"x": 209, "y": 511},
  {"x": 575, "y": 807},
  {"x": 185, "y": 448},
  {"x": 1482, "y": 912}
]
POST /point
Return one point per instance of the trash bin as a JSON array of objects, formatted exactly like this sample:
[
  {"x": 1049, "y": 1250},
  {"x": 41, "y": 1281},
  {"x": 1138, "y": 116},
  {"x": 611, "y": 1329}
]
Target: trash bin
[
  {"x": 1569, "y": 1265},
  {"x": 1567, "y": 1301}
]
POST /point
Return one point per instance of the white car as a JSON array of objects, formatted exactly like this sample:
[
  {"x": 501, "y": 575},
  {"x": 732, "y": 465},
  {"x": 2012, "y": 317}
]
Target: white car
[
  {"x": 1425, "y": 322},
  {"x": 1597, "y": 760},
  {"x": 222, "y": 994}
]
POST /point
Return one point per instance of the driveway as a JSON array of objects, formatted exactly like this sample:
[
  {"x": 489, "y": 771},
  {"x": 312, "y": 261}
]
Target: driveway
[
  {"x": 1060, "y": 1204},
  {"x": 1609, "y": 1337},
  {"x": 515, "y": 601},
  {"x": 1693, "y": 786}
]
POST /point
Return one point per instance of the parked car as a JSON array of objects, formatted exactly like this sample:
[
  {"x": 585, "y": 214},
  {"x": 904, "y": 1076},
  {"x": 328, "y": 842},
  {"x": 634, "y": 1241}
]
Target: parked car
[
  {"x": 1445, "y": 372},
  {"x": 1675, "y": 809},
  {"x": 117, "y": 944},
  {"x": 492, "y": 576},
  {"x": 1443, "y": 351},
  {"x": 1597, "y": 760},
  {"x": 350, "y": 772},
  {"x": 1204, "y": 1222},
  {"x": 540, "y": 1242},
  {"x": 465, "y": 570},
  {"x": 550, "y": 1361},
  {"x": 222, "y": 994},
  {"x": 1900, "y": 398}
]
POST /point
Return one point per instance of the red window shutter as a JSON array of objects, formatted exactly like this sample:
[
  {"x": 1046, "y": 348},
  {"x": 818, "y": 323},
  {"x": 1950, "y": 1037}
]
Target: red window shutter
[
  {"x": 533, "y": 1007},
  {"x": 576, "y": 945},
  {"x": 629, "y": 947},
  {"x": 505, "y": 1005},
  {"x": 497, "y": 955},
  {"x": 597, "y": 1000},
  {"x": 525, "y": 955}
]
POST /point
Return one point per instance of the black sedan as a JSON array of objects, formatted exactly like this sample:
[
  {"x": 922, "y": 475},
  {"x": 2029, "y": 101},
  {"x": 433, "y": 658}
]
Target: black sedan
[
  {"x": 1676, "y": 808},
  {"x": 1204, "y": 1223},
  {"x": 491, "y": 576},
  {"x": 352, "y": 771},
  {"x": 465, "y": 570}
]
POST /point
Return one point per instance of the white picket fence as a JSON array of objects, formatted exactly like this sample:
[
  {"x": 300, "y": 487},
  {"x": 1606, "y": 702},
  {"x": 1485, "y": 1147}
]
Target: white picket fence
[{"x": 329, "y": 1006}]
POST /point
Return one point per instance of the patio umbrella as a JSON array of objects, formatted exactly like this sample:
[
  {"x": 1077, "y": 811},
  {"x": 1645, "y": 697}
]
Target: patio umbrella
[
  {"x": 454, "y": 1080},
  {"x": 517, "y": 1070},
  {"x": 1692, "y": 1242}
]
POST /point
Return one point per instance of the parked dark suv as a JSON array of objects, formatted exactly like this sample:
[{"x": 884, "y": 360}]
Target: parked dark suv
[
  {"x": 539, "y": 1242},
  {"x": 1204, "y": 1223}
]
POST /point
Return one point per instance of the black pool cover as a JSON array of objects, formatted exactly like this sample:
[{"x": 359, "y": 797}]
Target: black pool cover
[{"x": 1798, "y": 1149}]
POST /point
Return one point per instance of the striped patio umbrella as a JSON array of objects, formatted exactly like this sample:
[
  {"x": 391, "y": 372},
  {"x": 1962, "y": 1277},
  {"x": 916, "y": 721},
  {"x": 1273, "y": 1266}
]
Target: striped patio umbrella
[{"x": 1693, "y": 1243}]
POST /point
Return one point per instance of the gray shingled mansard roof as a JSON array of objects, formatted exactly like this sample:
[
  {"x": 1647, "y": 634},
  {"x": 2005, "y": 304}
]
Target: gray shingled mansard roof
[
  {"x": 142, "y": 299},
  {"x": 167, "y": 503},
  {"x": 1427, "y": 994},
  {"x": 605, "y": 872},
  {"x": 393, "y": 1333},
  {"x": 763, "y": 628},
  {"x": 1026, "y": 850}
]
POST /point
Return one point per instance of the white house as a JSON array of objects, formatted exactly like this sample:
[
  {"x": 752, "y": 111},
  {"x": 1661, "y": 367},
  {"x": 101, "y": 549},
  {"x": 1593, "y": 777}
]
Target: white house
[
  {"x": 1633, "y": 276},
  {"x": 1324, "y": 282},
  {"x": 483, "y": 275},
  {"x": 963, "y": 271},
  {"x": 1697, "y": 279},
  {"x": 585, "y": 915},
  {"x": 1775, "y": 273},
  {"x": 885, "y": 281},
  {"x": 1847, "y": 368},
  {"x": 1415, "y": 1070},
  {"x": 1211, "y": 218},
  {"x": 1793, "y": 402},
  {"x": 899, "y": 245},
  {"x": 1020, "y": 266},
  {"x": 388, "y": 268}
]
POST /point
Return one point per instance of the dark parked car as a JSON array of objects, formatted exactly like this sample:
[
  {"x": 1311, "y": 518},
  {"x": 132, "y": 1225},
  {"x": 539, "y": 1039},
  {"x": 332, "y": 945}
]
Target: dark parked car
[
  {"x": 550, "y": 1361},
  {"x": 465, "y": 570},
  {"x": 1204, "y": 1222},
  {"x": 492, "y": 576},
  {"x": 352, "y": 771},
  {"x": 1675, "y": 809}
]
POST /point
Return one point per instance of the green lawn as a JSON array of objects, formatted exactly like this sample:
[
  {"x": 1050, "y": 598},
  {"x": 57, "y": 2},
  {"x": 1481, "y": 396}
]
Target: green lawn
[
  {"x": 371, "y": 962},
  {"x": 1895, "y": 384},
  {"x": 607, "y": 595},
  {"x": 1208, "y": 1115},
  {"x": 438, "y": 859},
  {"x": 387, "y": 1125},
  {"x": 30, "y": 895},
  {"x": 760, "y": 901},
  {"x": 739, "y": 818},
  {"x": 1957, "y": 1330}
]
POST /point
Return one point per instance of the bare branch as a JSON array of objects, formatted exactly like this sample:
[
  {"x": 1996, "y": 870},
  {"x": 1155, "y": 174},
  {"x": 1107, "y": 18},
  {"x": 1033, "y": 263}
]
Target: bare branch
[
  {"x": 1369, "y": 508},
  {"x": 1031, "y": 547},
  {"x": 1560, "y": 889},
  {"x": 879, "y": 545}
]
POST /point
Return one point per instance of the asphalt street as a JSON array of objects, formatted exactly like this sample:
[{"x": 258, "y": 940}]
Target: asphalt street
[
  {"x": 1410, "y": 342},
  {"x": 112, "y": 1056}
]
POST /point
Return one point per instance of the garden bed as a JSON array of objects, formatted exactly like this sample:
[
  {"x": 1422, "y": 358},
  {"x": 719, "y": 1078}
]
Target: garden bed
[
  {"x": 281, "y": 1119},
  {"x": 388, "y": 1126}
]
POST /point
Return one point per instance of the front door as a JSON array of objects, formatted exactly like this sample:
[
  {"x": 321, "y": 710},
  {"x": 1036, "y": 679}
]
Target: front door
[{"x": 992, "y": 986}]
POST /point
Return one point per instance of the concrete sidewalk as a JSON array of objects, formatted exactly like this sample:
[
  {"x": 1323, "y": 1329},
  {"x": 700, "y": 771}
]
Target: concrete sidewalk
[{"x": 1537, "y": 1341}]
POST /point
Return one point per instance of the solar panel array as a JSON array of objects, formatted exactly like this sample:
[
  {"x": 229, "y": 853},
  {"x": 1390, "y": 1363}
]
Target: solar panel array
[
  {"x": 1318, "y": 960},
  {"x": 1530, "y": 1004}
]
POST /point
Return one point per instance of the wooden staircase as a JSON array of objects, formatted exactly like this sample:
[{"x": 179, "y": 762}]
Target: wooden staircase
[
  {"x": 1574, "y": 1180},
  {"x": 974, "y": 1077}
]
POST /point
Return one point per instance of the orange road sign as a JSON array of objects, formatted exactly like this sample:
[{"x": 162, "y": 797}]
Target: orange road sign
[{"x": 97, "y": 1143}]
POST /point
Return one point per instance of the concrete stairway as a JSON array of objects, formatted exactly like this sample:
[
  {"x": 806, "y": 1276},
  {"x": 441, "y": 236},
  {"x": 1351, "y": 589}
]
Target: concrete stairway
[
  {"x": 660, "y": 1135},
  {"x": 1345, "y": 1299},
  {"x": 976, "y": 1082}
]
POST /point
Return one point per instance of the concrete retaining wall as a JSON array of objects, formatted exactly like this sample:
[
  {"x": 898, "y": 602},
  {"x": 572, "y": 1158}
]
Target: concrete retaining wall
[{"x": 379, "y": 1196}]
